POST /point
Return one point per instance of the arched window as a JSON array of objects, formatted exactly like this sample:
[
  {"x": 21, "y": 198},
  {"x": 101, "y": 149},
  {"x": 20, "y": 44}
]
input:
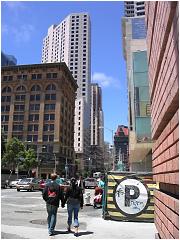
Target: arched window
[
  {"x": 36, "y": 88},
  {"x": 51, "y": 87},
  {"x": 6, "y": 89},
  {"x": 20, "y": 89}
]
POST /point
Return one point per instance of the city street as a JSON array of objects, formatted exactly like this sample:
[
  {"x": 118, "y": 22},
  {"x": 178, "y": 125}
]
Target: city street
[{"x": 23, "y": 216}]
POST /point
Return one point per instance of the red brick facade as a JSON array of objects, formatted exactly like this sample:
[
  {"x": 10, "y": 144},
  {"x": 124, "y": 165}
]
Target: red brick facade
[{"x": 162, "y": 19}]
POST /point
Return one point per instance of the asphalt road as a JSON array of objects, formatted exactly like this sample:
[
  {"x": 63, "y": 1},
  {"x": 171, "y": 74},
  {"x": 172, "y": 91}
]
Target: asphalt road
[{"x": 23, "y": 216}]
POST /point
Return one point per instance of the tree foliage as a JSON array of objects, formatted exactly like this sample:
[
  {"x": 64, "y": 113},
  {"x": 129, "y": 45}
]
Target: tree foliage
[
  {"x": 16, "y": 154},
  {"x": 3, "y": 143},
  {"x": 29, "y": 161},
  {"x": 14, "y": 150}
]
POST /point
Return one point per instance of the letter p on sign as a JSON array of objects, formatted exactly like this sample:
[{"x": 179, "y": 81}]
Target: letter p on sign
[{"x": 131, "y": 196}]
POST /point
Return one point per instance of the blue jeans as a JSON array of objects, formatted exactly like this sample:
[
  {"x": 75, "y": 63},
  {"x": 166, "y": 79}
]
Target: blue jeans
[
  {"x": 73, "y": 208},
  {"x": 52, "y": 213}
]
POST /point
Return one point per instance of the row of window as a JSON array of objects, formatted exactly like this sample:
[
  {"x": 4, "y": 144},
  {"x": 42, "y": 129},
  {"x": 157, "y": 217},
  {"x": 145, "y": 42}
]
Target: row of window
[
  {"x": 34, "y": 88},
  {"x": 33, "y": 76},
  {"x": 32, "y": 117},
  {"x": 35, "y": 97},
  {"x": 46, "y": 138}
]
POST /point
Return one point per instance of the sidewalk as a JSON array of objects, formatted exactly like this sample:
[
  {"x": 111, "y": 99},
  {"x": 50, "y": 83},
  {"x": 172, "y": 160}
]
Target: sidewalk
[{"x": 95, "y": 229}]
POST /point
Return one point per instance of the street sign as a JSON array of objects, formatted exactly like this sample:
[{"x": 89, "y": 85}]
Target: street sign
[{"x": 131, "y": 196}]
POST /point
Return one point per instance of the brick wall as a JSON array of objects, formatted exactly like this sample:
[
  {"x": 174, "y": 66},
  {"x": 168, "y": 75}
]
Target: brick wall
[{"x": 162, "y": 20}]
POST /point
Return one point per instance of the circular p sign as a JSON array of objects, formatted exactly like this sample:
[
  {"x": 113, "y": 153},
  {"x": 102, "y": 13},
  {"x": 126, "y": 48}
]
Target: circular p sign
[{"x": 131, "y": 197}]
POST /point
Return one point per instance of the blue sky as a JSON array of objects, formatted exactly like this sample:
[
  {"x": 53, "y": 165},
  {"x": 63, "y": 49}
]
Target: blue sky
[{"x": 25, "y": 24}]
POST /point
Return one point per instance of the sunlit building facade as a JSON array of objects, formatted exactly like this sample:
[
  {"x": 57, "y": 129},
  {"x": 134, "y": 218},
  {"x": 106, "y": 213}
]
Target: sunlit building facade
[
  {"x": 135, "y": 54},
  {"x": 37, "y": 107},
  {"x": 70, "y": 42}
]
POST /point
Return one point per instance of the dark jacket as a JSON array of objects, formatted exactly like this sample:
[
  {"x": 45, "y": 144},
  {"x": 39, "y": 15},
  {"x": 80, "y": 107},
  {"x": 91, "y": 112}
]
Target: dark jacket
[
  {"x": 53, "y": 186},
  {"x": 74, "y": 195}
]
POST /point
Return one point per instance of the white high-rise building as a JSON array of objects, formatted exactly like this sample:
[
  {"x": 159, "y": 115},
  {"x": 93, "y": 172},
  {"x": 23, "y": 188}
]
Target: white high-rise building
[
  {"x": 134, "y": 8},
  {"x": 70, "y": 42}
]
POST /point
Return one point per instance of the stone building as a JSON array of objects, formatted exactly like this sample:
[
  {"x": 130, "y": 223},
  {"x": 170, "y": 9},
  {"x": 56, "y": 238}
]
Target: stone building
[{"x": 37, "y": 107}]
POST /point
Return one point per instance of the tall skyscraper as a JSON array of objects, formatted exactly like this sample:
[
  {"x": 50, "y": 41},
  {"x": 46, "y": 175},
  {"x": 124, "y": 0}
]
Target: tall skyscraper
[
  {"x": 97, "y": 128},
  {"x": 134, "y": 8},
  {"x": 70, "y": 42},
  {"x": 135, "y": 54}
]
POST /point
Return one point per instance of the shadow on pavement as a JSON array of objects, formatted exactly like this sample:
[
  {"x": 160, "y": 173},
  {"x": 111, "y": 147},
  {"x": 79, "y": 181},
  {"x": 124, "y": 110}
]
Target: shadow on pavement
[
  {"x": 66, "y": 232},
  {"x": 85, "y": 233},
  {"x": 60, "y": 232}
]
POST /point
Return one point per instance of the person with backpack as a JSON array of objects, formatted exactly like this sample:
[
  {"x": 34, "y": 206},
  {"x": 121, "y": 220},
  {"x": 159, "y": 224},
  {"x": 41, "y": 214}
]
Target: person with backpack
[
  {"x": 52, "y": 194},
  {"x": 74, "y": 198}
]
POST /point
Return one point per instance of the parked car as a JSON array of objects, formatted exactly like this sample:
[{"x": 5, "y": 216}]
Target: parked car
[
  {"x": 42, "y": 184},
  {"x": 4, "y": 183},
  {"x": 28, "y": 184},
  {"x": 61, "y": 181},
  {"x": 14, "y": 183},
  {"x": 90, "y": 183}
]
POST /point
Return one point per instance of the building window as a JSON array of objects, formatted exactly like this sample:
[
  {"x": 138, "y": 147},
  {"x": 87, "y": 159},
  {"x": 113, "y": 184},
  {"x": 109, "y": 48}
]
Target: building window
[
  {"x": 49, "y": 117},
  {"x": 4, "y": 118},
  {"x": 4, "y": 128},
  {"x": 5, "y": 98},
  {"x": 21, "y": 89},
  {"x": 34, "y": 107},
  {"x": 35, "y": 88},
  {"x": 33, "y": 128},
  {"x": 5, "y": 108},
  {"x": 19, "y": 107},
  {"x": 18, "y": 117},
  {"x": 48, "y": 138},
  {"x": 6, "y": 90},
  {"x": 7, "y": 78},
  {"x": 32, "y": 138},
  {"x": 17, "y": 127},
  {"x": 36, "y": 76},
  {"x": 51, "y": 87},
  {"x": 35, "y": 97},
  {"x": 50, "y": 97},
  {"x": 22, "y": 77},
  {"x": 20, "y": 97},
  {"x": 49, "y": 107},
  {"x": 48, "y": 127},
  {"x": 51, "y": 75},
  {"x": 33, "y": 117}
]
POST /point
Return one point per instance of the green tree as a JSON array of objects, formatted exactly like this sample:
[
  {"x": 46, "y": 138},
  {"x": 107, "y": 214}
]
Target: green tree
[
  {"x": 14, "y": 150},
  {"x": 29, "y": 161},
  {"x": 3, "y": 143}
]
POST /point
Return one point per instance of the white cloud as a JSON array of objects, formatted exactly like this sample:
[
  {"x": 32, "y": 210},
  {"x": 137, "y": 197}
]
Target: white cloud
[
  {"x": 14, "y": 5},
  {"x": 4, "y": 29},
  {"x": 23, "y": 33},
  {"x": 104, "y": 80}
]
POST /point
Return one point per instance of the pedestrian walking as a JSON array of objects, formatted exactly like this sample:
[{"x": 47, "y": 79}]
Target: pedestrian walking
[
  {"x": 74, "y": 198},
  {"x": 52, "y": 194},
  {"x": 80, "y": 183}
]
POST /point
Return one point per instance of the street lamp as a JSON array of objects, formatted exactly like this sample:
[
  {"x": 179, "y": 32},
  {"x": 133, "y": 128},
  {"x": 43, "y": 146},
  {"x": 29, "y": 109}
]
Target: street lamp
[
  {"x": 112, "y": 132},
  {"x": 37, "y": 169},
  {"x": 54, "y": 163},
  {"x": 66, "y": 164}
]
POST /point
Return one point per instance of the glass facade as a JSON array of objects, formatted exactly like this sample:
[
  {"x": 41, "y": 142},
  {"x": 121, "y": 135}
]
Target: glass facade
[
  {"x": 7, "y": 60},
  {"x": 138, "y": 28},
  {"x": 141, "y": 96}
]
